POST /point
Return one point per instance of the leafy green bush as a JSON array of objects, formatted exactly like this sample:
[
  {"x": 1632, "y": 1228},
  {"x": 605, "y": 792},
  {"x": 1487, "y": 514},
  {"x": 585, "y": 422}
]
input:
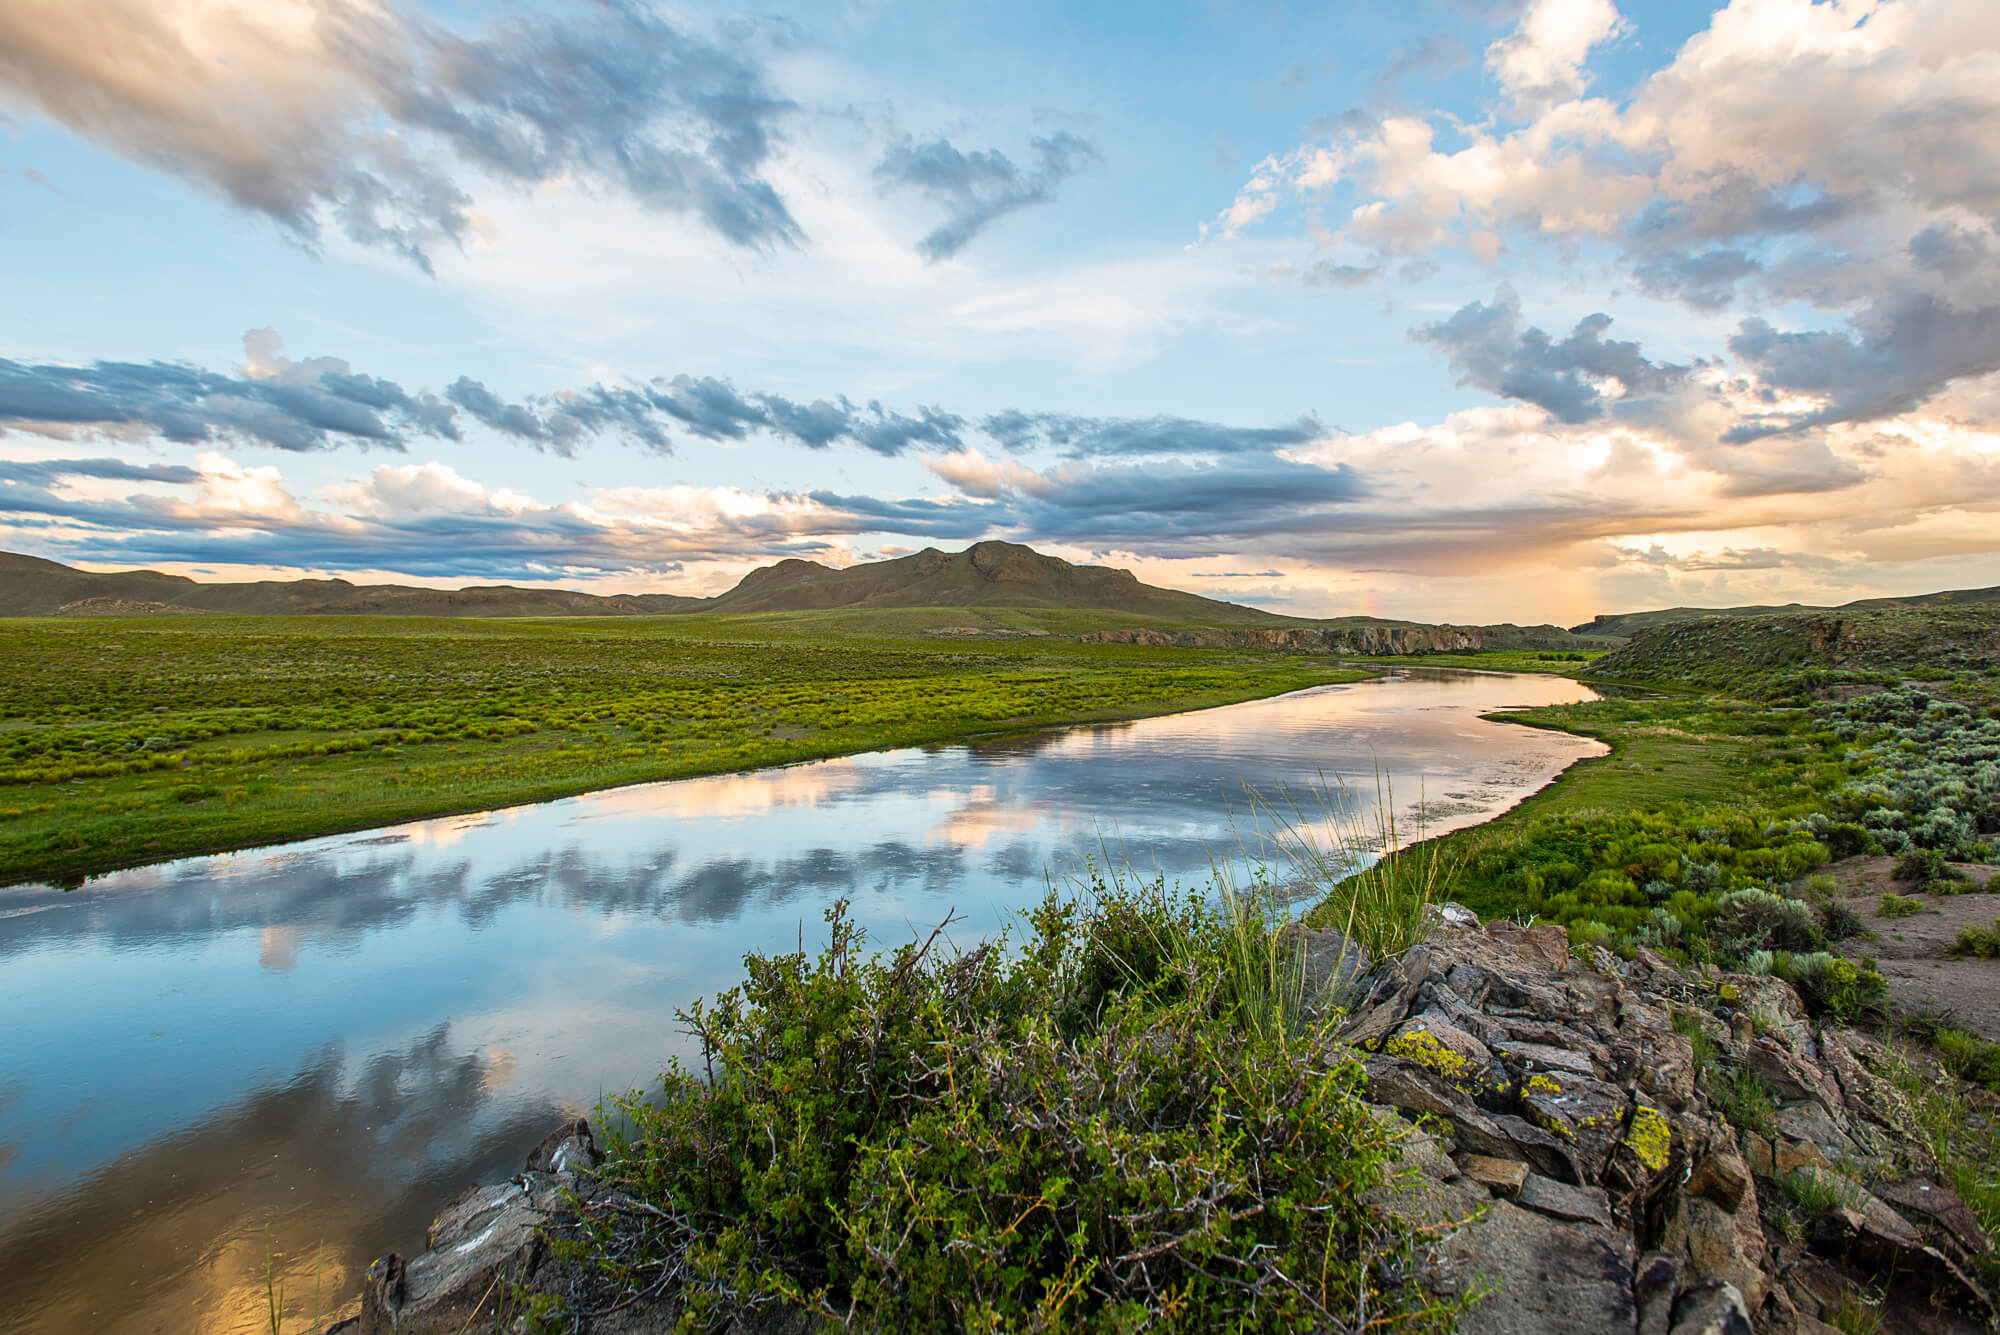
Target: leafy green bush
[
  {"x": 1830, "y": 986},
  {"x": 1896, "y": 906},
  {"x": 1980, "y": 942},
  {"x": 1924, "y": 865},
  {"x": 1010, "y": 1140},
  {"x": 1751, "y": 919}
]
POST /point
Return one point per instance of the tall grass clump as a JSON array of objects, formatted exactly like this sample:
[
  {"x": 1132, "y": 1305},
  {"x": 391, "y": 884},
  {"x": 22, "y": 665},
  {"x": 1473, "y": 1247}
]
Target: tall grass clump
[
  {"x": 1085, "y": 1129},
  {"x": 1373, "y": 890}
]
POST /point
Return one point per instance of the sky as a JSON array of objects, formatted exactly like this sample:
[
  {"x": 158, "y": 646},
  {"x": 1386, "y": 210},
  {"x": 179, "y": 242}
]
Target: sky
[{"x": 1439, "y": 309}]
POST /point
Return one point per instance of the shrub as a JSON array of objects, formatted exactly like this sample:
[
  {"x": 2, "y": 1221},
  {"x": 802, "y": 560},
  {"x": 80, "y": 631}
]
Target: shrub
[
  {"x": 919, "y": 1142},
  {"x": 1753, "y": 919},
  {"x": 1838, "y": 921},
  {"x": 1829, "y": 986},
  {"x": 1923, "y": 865},
  {"x": 1980, "y": 942},
  {"x": 1896, "y": 906}
]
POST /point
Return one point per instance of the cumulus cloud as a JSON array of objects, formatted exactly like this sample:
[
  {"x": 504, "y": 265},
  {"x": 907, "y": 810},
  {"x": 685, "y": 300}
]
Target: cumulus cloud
[
  {"x": 1842, "y": 157},
  {"x": 360, "y": 116},
  {"x": 979, "y": 188},
  {"x": 1542, "y": 60},
  {"x": 1572, "y": 380}
]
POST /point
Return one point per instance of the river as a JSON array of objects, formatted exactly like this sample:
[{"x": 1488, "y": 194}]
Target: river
[{"x": 302, "y": 1052}]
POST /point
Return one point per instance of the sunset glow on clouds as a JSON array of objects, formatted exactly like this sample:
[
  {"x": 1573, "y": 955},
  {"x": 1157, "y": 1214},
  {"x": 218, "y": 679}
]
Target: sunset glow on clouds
[{"x": 1523, "y": 311}]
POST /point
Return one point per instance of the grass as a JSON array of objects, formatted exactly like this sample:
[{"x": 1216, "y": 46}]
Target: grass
[
  {"x": 1963, "y": 1137},
  {"x": 1373, "y": 891},
  {"x": 126, "y": 740},
  {"x": 1558, "y": 663}
]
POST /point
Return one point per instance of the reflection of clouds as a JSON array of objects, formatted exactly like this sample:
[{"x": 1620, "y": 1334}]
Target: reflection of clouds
[
  {"x": 725, "y": 797},
  {"x": 278, "y": 948},
  {"x": 339, "y": 1164},
  {"x": 974, "y": 823}
]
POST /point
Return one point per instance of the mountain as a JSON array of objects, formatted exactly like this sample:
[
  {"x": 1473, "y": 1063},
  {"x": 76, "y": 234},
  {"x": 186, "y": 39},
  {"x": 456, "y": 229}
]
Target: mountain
[
  {"x": 30, "y": 586},
  {"x": 1631, "y": 623},
  {"x": 987, "y": 574}
]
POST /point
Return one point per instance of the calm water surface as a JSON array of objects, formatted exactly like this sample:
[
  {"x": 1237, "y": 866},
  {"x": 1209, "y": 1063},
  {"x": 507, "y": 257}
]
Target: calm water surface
[{"x": 306, "y": 1050}]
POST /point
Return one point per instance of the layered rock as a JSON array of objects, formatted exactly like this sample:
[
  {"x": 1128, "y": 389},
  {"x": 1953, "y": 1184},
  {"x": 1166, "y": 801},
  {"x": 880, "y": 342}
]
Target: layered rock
[{"x": 1566, "y": 1152}]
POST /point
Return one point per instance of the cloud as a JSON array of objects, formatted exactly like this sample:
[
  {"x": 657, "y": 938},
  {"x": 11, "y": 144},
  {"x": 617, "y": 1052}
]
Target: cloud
[
  {"x": 1490, "y": 350},
  {"x": 1541, "y": 61},
  {"x": 979, "y": 188},
  {"x": 363, "y": 117},
  {"x": 310, "y": 405},
  {"x": 1085, "y": 437},
  {"x": 1898, "y": 358},
  {"x": 1704, "y": 282}
]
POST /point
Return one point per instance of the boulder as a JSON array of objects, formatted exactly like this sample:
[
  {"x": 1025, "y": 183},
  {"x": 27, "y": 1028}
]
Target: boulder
[{"x": 1540, "y": 1276}]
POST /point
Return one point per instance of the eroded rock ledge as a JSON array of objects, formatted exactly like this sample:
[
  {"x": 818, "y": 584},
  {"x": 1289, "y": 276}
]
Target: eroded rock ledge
[{"x": 1562, "y": 1149}]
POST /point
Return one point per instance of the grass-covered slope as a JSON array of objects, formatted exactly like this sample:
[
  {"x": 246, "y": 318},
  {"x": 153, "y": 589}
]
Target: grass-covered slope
[
  {"x": 1770, "y": 656},
  {"x": 1631, "y": 623}
]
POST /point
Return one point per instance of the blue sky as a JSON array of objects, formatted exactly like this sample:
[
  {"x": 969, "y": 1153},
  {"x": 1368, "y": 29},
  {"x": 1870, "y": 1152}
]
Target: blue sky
[{"x": 1453, "y": 310}]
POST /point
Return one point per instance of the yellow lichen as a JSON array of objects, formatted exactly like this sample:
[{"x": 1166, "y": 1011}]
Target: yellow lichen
[
  {"x": 1728, "y": 992},
  {"x": 1543, "y": 1084},
  {"x": 1422, "y": 1047},
  {"x": 1650, "y": 1138}
]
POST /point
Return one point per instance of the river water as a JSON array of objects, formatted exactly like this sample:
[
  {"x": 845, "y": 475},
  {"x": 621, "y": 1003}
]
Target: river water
[{"x": 284, "y": 1061}]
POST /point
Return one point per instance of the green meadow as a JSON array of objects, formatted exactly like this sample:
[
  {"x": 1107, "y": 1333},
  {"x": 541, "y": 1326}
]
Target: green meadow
[{"x": 131, "y": 739}]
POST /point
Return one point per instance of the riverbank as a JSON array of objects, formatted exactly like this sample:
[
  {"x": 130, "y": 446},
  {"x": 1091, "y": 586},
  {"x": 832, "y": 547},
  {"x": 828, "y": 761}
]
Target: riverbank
[{"x": 134, "y": 740}]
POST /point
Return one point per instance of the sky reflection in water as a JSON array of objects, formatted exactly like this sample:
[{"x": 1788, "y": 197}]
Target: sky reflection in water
[{"x": 329, "y": 1039}]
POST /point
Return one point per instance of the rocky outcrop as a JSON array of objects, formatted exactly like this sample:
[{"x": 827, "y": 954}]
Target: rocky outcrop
[
  {"x": 1327, "y": 639},
  {"x": 479, "y": 1249},
  {"x": 1565, "y": 1148}
]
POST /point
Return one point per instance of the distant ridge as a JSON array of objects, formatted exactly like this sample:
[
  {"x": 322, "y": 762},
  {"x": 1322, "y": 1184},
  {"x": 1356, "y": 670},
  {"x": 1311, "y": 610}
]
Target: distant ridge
[
  {"x": 987, "y": 574},
  {"x": 1630, "y": 623},
  {"x": 30, "y": 586}
]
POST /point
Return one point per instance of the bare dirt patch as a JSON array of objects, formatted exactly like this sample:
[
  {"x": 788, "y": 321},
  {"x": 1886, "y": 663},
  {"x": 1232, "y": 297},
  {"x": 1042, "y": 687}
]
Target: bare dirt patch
[{"x": 1915, "y": 951}]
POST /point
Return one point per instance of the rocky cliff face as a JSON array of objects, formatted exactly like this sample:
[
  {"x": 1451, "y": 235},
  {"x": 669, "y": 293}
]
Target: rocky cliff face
[
  {"x": 1563, "y": 1145},
  {"x": 1327, "y": 639},
  {"x": 1572, "y": 1155}
]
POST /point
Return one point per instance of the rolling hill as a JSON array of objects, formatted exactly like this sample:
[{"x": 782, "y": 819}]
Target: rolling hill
[
  {"x": 1631, "y": 623},
  {"x": 30, "y": 586}
]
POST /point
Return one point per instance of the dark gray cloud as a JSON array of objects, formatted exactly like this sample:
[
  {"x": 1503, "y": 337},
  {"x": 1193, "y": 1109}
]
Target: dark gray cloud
[
  {"x": 1897, "y": 358},
  {"x": 1706, "y": 282},
  {"x": 980, "y": 187},
  {"x": 1087, "y": 437},
  {"x": 1159, "y": 508},
  {"x": 304, "y": 406},
  {"x": 365, "y": 119},
  {"x": 46, "y": 472},
  {"x": 322, "y": 403},
  {"x": 1951, "y": 251},
  {"x": 1489, "y": 350}
]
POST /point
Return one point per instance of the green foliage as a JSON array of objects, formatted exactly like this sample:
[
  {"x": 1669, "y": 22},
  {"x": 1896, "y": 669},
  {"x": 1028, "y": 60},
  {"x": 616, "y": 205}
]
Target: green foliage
[
  {"x": 1831, "y": 987},
  {"x": 126, "y": 740},
  {"x": 1742, "y": 1099},
  {"x": 1896, "y": 906},
  {"x": 1980, "y": 942},
  {"x": 1014, "y": 1140}
]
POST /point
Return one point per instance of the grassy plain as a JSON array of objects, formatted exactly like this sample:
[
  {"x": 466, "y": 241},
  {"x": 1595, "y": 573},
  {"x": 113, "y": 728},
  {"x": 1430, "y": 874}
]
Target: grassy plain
[{"x": 131, "y": 739}]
